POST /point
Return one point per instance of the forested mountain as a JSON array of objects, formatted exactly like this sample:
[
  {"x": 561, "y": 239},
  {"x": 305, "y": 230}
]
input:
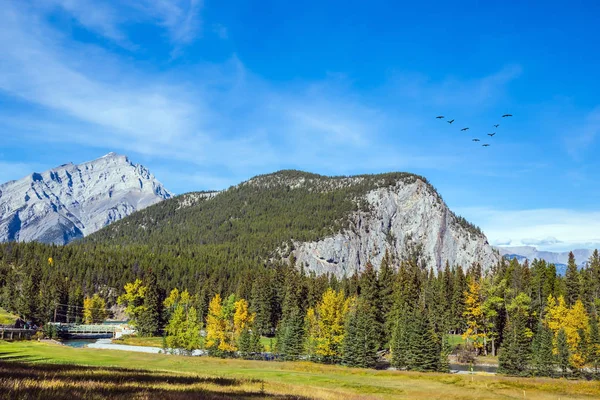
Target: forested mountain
[
  {"x": 330, "y": 224},
  {"x": 71, "y": 201}
]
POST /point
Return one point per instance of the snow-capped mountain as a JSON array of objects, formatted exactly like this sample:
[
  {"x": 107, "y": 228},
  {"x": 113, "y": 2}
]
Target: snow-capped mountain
[{"x": 72, "y": 201}]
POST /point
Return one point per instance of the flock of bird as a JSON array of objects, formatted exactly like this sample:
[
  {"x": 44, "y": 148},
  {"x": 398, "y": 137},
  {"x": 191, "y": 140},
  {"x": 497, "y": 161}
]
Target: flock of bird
[{"x": 476, "y": 139}]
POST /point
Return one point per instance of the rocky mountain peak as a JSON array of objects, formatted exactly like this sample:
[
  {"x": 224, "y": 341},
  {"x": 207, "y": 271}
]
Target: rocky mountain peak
[{"x": 70, "y": 201}]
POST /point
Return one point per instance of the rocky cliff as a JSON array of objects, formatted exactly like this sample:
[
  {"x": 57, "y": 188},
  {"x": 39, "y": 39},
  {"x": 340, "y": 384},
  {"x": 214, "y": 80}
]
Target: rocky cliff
[
  {"x": 398, "y": 218},
  {"x": 72, "y": 201}
]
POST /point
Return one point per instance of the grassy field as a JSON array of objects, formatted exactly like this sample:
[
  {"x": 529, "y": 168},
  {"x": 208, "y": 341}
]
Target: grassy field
[
  {"x": 51, "y": 370},
  {"x": 157, "y": 341},
  {"x": 7, "y": 318}
]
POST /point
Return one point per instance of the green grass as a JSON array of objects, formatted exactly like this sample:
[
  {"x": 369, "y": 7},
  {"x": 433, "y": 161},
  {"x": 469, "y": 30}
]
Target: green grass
[
  {"x": 7, "y": 318},
  {"x": 302, "y": 379},
  {"x": 156, "y": 341},
  {"x": 266, "y": 342},
  {"x": 455, "y": 340}
]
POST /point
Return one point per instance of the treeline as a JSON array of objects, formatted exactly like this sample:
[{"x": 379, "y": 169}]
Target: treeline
[{"x": 537, "y": 321}]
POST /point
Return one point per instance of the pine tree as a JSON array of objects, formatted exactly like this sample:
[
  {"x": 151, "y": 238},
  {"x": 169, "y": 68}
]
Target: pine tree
[
  {"x": 245, "y": 344},
  {"x": 370, "y": 292},
  {"x": 512, "y": 360},
  {"x": 446, "y": 350},
  {"x": 562, "y": 351},
  {"x": 544, "y": 360},
  {"x": 424, "y": 347},
  {"x": 594, "y": 345},
  {"x": 399, "y": 342},
  {"x": 516, "y": 348},
  {"x": 572, "y": 281},
  {"x": 28, "y": 303},
  {"x": 150, "y": 322},
  {"x": 291, "y": 336},
  {"x": 360, "y": 344},
  {"x": 386, "y": 279},
  {"x": 459, "y": 287}
]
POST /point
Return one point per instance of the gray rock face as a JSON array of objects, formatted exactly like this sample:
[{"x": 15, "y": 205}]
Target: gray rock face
[
  {"x": 72, "y": 201},
  {"x": 401, "y": 215}
]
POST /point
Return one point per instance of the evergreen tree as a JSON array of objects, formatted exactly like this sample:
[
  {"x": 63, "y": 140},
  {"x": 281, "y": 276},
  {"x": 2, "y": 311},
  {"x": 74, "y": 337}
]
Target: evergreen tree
[
  {"x": 572, "y": 281},
  {"x": 150, "y": 322},
  {"x": 446, "y": 350},
  {"x": 515, "y": 352},
  {"x": 291, "y": 336},
  {"x": 386, "y": 279},
  {"x": 594, "y": 345},
  {"x": 28, "y": 303},
  {"x": 245, "y": 344},
  {"x": 459, "y": 287},
  {"x": 360, "y": 344},
  {"x": 513, "y": 357},
  {"x": 562, "y": 352},
  {"x": 544, "y": 360},
  {"x": 370, "y": 292},
  {"x": 424, "y": 347},
  {"x": 399, "y": 344}
]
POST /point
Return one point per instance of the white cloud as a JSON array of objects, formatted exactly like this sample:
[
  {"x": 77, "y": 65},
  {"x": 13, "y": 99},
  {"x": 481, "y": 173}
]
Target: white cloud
[
  {"x": 180, "y": 18},
  {"x": 95, "y": 16},
  {"x": 209, "y": 115},
  {"x": 547, "y": 229}
]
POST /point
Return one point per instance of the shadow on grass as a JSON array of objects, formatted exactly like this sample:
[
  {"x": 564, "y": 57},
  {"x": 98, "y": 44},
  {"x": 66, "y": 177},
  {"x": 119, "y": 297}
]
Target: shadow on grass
[{"x": 24, "y": 380}]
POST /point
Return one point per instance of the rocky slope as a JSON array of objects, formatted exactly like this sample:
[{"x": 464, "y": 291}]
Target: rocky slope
[
  {"x": 399, "y": 217},
  {"x": 72, "y": 201}
]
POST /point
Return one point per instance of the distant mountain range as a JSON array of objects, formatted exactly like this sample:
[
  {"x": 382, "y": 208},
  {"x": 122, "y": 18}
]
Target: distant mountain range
[
  {"x": 559, "y": 259},
  {"x": 330, "y": 224},
  {"x": 72, "y": 201}
]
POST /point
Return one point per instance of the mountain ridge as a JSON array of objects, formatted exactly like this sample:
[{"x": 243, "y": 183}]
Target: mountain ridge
[
  {"x": 330, "y": 224},
  {"x": 73, "y": 200}
]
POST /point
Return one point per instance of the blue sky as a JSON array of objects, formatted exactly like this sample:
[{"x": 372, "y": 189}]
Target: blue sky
[{"x": 207, "y": 94}]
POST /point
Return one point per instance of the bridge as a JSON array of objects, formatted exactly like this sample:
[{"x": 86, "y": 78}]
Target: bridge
[
  {"x": 9, "y": 333},
  {"x": 87, "y": 331}
]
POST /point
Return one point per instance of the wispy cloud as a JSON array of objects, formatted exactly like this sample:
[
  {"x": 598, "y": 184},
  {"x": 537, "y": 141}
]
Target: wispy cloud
[
  {"x": 579, "y": 138},
  {"x": 214, "y": 116},
  {"x": 179, "y": 18},
  {"x": 95, "y": 16}
]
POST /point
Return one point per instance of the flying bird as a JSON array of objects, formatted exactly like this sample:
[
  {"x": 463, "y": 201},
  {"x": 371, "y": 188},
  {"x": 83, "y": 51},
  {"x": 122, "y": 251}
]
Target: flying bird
[
  {"x": 491, "y": 134},
  {"x": 440, "y": 117},
  {"x": 507, "y": 115},
  {"x": 476, "y": 140},
  {"x": 451, "y": 121},
  {"x": 486, "y": 145},
  {"x": 497, "y": 125},
  {"x": 464, "y": 129}
]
